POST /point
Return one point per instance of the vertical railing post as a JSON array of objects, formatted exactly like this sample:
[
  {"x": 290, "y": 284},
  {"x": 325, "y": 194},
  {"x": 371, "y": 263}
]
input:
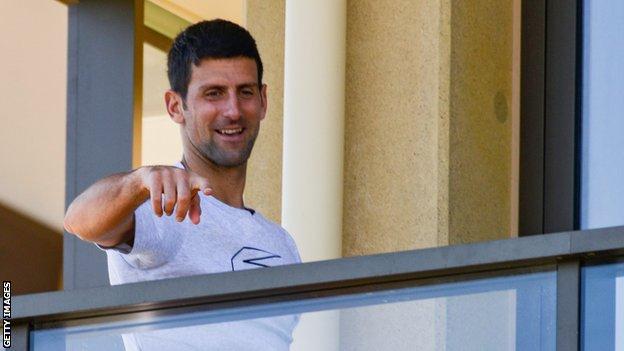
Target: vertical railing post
[
  {"x": 20, "y": 334},
  {"x": 101, "y": 115},
  {"x": 568, "y": 305}
]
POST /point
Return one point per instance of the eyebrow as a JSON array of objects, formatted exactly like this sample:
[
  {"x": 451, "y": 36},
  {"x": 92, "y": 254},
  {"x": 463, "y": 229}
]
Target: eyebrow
[{"x": 221, "y": 86}]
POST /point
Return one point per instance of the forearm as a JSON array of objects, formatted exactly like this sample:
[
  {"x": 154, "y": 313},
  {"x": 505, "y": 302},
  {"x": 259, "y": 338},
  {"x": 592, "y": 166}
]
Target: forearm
[{"x": 104, "y": 212}]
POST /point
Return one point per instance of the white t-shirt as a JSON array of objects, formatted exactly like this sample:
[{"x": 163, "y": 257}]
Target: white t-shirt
[{"x": 226, "y": 239}]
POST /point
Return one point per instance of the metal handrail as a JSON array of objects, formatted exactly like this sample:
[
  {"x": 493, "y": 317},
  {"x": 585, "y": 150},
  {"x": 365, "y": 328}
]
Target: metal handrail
[{"x": 450, "y": 263}]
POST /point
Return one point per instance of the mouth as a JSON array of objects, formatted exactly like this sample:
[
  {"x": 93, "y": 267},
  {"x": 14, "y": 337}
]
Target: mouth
[
  {"x": 233, "y": 135},
  {"x": 230, "y": 131}
]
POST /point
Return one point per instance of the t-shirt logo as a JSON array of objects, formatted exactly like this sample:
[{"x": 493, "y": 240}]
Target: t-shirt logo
[{"x": 250, "y": 257}]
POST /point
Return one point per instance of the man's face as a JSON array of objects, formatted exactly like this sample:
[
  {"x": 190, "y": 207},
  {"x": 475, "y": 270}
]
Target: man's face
[{"x": 224, "y": 107}]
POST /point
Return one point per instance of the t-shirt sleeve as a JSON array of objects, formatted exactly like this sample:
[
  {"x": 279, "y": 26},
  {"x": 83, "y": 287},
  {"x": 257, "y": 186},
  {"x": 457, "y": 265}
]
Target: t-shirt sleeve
[
  {"x": 153, "y": 244},
  {"x": 292, "y": 245}
]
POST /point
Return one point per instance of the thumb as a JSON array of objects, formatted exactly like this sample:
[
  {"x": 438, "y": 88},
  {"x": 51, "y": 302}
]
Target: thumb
[{"x": 202, "y": 184}]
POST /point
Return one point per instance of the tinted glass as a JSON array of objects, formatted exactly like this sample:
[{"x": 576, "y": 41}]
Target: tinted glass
[
  {"x": 503, "y": 313},
  {"x": 602, "y": 194},
  {"x": 603, "y": 307}
]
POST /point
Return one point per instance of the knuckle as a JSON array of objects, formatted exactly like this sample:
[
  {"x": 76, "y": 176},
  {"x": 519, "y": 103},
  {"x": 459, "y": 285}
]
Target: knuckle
[
  {"x": 153, "y": 177},
  {"x": 181, "y": 172},
  {"x": 154, "y": 171}
]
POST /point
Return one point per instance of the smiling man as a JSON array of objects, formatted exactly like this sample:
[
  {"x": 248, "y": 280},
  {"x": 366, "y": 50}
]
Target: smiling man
[{"x": 158, "y": 222}]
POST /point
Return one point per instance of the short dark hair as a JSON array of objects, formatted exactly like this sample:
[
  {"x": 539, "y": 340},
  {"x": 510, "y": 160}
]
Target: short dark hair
[{"x": 215, "y": 39}]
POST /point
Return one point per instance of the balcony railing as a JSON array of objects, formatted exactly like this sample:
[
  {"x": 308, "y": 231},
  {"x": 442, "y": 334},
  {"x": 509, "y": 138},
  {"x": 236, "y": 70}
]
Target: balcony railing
[{"x": 562, "y": 291}]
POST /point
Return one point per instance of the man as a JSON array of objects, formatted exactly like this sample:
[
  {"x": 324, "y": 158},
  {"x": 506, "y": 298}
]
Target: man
[{"x": 169, "y": 221}]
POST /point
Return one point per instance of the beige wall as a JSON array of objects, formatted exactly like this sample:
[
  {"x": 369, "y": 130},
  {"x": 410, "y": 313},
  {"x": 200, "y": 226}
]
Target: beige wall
[
  {"x": 265, "y": 21},
  {"x": 394, "y": 126},
  {"x": 480, "y": 124},
  {"x": 33, "y": 100},
  {"x": 427, "y": 156}
]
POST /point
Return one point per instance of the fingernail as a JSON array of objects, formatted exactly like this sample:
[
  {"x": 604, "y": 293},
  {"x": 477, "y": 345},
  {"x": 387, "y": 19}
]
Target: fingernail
[{"x": 179, "y": 219}]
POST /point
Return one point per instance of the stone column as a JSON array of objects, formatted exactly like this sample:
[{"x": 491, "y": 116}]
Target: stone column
[{"x": 314, "y": 97}]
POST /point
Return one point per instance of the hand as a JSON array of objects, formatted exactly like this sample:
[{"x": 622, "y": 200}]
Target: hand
[{"x": 179, "y": 187}]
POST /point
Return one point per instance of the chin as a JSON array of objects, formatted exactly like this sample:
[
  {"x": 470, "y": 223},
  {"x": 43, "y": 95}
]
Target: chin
[
  {"x": 232, "y": 164},
  {"x": 229, "y": 162},
  {"x": 221, "y": 157}
]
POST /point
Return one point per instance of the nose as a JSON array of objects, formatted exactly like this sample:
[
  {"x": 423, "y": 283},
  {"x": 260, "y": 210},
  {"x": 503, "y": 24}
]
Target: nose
[{"x": 232, "y": 108}]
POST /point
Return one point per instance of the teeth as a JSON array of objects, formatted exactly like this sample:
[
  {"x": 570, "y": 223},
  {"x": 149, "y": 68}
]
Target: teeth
[{"x": 230, "y": 131}]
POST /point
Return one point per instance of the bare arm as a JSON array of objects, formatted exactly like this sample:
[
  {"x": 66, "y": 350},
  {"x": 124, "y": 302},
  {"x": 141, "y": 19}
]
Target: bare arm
[{"x": 104, "y": 213}]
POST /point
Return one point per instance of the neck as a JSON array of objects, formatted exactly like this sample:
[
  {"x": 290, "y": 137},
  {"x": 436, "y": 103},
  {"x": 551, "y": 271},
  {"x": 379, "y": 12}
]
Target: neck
[{"x": 227, "y": 183}]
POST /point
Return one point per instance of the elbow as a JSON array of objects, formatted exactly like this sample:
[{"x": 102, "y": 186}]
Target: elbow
[
  {"x": 77, "y": 223},
  {"x": 69, "y": 223}
]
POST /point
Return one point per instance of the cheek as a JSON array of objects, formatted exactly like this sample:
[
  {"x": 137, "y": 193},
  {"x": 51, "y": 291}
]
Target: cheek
[
  {"x": 202, "y": 119},
  {"x": 253, "y": 111},
  {"x": 206, "y": 116},
  {"x": 193, "y": 128}
]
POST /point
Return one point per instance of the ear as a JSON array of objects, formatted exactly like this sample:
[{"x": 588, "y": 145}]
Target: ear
[
  {"x": 264, "y": 101},
  {"x": 175, "y": 106}
]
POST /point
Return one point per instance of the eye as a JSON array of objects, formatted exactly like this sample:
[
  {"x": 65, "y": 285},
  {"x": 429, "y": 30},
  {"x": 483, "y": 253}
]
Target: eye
[
  {"x": 247, "y": 92},
  {"x": 213, "y": 94}
]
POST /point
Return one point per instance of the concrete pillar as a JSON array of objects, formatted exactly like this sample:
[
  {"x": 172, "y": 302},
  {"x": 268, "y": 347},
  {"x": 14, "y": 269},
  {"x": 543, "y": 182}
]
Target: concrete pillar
[
  {"x": 429, "y": 107},
  {"x": 397, "y": 123},
  {"x": 263, "y": 191},
  {"x": 314, "y": 100},
  {"x": 312, "y": 176}
]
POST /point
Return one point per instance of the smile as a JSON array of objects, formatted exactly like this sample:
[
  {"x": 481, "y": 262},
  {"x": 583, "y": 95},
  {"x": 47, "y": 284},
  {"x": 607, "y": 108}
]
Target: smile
[{"x": 232, "y": 131}]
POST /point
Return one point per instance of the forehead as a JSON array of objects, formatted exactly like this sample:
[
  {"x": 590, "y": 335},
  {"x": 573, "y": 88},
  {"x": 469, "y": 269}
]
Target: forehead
[{"x": 229, "y": 71}]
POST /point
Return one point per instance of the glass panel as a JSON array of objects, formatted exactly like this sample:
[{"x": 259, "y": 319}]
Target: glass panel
[
  {"x": 603, "y": 307},
  {"x": 602, "y": 203},
  {"x": 503, "y": 313}
]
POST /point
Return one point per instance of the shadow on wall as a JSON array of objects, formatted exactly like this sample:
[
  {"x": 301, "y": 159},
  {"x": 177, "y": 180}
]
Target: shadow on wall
[{"x": 33, "y": 251}]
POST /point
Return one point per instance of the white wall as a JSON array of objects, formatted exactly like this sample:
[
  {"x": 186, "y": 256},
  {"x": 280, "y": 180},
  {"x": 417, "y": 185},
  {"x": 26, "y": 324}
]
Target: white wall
[{"x": 33, "y": 108}]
